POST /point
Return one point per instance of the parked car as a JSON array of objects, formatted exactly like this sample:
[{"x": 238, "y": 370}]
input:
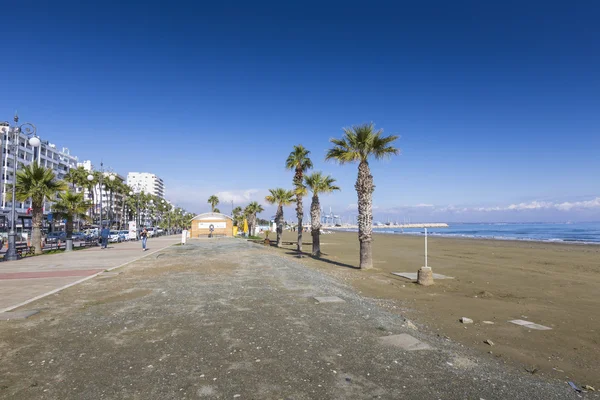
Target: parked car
[
  {"x": 55, "y": 237},
  {"x": 78, "y": 236},
  {"x": 114, "y": 237},
  {"x": 124, "y": 235}
]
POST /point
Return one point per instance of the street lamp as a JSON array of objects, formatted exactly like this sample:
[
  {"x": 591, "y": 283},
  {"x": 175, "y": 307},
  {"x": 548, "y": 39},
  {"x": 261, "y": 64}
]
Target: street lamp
[{"x": 14, "y": 136}]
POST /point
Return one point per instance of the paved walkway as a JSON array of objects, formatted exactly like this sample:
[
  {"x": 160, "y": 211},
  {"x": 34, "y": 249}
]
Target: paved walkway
[
  {"x": 226, "y": 319},
  {"x": 32, "y": 277}
]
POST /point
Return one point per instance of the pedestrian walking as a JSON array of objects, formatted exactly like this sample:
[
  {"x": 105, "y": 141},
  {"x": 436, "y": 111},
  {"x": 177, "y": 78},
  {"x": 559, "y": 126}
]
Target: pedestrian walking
[
  {"x": 104, "y": 235},
  {"x": 144, "y": 236}
]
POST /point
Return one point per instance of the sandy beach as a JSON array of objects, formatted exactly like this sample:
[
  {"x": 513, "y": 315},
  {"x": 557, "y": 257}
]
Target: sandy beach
[{"x": 556, "y": 285}]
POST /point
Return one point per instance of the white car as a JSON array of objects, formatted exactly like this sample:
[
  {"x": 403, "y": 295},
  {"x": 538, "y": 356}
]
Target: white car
[
  {"x": 114, "y": 237},
  {"x": 124, "y": 235}
]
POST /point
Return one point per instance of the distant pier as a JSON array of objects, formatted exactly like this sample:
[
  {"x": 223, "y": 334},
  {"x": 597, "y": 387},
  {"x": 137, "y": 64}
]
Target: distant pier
[{"x": 397, "y": 226}]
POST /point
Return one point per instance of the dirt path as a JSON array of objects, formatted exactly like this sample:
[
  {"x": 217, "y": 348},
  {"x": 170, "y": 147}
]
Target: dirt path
[{"x": 227, "y": 319}]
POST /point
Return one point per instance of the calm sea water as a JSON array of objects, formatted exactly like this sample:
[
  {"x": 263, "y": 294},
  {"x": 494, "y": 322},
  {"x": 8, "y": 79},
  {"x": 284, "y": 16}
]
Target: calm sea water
[{"x": 576, "y": 232}]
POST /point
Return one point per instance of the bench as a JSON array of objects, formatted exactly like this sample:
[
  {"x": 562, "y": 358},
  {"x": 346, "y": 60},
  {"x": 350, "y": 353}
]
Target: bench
[{"x": 23, "y": 248}]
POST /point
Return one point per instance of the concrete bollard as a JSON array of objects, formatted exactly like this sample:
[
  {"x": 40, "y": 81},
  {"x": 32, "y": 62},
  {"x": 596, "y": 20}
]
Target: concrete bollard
[{"x": 425, "y": 276}]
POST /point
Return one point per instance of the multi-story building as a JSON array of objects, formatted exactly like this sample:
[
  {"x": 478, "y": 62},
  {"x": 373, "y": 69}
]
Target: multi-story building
[
  {"x": 47, "y": 154},
  {"x": 146, "y": 182}
]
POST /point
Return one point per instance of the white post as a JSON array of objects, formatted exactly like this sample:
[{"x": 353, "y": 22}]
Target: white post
[
  {"x": 425, "y": 247},
  {"x": 184, "y": 234}
]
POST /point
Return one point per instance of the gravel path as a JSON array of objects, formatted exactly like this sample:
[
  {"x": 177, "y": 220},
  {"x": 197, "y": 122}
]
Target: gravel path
[{"x": 227, "y": 319}]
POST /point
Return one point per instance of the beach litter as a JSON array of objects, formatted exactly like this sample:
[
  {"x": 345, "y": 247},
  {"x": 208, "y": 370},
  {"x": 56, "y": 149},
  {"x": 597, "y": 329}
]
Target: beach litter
[
  {"x": 466, "y": 320},
  {"x": 574, "y": 386},
  {"x": 590, "y": 388},
  {"x": 488, "y": 341},
  {"x": 530, "y": 325},
  {"x": 488, "y": 322}
]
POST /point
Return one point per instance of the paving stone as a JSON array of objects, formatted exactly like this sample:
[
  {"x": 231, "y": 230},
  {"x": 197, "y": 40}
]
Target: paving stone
[
  {"x": 329, "y": 299},
  {"x": 5, "y": 316},
  {"x": 413, "y": 275},
  {"x": 530, "y": 325},
  {"x": 405, "y": 342}
]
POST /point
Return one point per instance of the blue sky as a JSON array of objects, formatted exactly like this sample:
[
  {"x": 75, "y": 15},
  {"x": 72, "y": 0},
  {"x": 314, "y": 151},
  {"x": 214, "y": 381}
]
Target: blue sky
[{"x": 496, "y": 103}]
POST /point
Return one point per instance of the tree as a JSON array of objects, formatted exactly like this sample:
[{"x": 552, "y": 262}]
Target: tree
[
  {"x": 213, "y": 201},
  {"x": 216, "y": 210},
  {"x": 299, "y": 162},
  {"x": 236, "y": 212},
  {"x": 251, "y": 210},
  {"x": 37, "y": 183},
  {"x": 282, "y": 198},
  {"x": 358, "y": 144},
  {"x": 318, "y": 183},
  {"x": 70, "y": 205}
]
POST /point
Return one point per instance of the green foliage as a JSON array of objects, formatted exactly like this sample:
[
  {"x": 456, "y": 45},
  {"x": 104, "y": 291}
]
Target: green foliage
[
  {"x": 213, "y": 201},
  {"x": 37, "y": 183},
  {"x": 319, "y": 183},
  {"x": 361, "y": 142},
  {"x": 281, "y": 197}
]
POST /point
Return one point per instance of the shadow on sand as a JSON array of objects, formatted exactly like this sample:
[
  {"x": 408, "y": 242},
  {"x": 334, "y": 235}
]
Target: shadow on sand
[{"x": 325, "y": 260}]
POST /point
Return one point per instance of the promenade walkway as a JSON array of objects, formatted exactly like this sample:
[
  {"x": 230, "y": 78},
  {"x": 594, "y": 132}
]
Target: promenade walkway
[
  {"x": 228, "y": 319},
  {"x": 33, "y": 277}
]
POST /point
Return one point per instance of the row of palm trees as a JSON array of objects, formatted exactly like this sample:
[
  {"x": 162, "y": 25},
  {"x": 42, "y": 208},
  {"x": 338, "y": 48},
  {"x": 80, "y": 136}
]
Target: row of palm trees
[
  {"x": 358, "y": 144},
  {"x": 40, "y": 184}
]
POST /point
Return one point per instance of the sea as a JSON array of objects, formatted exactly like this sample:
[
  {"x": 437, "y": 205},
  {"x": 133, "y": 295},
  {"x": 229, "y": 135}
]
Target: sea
[{"x": 583, "y": 233}]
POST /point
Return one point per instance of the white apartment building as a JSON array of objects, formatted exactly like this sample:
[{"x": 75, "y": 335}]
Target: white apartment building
[
  {"x": 59, "y": 160},
  {"x": 146, "y": 182}
]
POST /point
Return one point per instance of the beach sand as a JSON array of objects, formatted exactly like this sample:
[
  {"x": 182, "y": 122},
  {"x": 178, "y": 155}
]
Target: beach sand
[{"x": 552, "y": 284}]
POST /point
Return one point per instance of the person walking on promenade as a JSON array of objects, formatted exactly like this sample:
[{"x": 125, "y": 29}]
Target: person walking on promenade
[
  {"x": 144, "y": 236},
  {"x": 104, "y": 235}
]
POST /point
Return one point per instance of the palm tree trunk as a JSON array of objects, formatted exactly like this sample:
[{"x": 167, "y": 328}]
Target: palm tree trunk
[
  {"x": 279, "y": 221},
  {"x": 364, "y": 188},
  {"x": 300, "y": 215},
  {"x": 315, "y": 222},
  {"x": 37, "y": 213},
  {"x": 69, "y": 230}
]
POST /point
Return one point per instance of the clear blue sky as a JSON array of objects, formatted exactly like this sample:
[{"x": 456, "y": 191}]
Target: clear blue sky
[{"x": 496, "y": 103}]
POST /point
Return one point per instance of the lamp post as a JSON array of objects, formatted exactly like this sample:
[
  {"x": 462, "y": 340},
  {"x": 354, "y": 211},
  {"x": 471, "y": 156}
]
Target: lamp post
[
  {"x": 137, "y": 212},
  {"x": 14, "y": 135}
]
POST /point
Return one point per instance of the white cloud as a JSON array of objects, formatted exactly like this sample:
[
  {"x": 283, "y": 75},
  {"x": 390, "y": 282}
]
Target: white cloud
[
  {"x": 194, "y": 198},
  {"x": 424, "y": 205},
  {"x": 240, "y": 196}
]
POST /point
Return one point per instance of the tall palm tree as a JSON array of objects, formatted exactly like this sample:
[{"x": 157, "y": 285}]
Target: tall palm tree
[
  {"x": 318, "y": 183},
  {"x": 251, "y": 210},
  {"x": 213, "y": 201},
  {"x": 358, "y": 144},
  {"x": 282, "y": 198},
  {"x": 299, "y": 162},
  {"x": 70, "y": 206},
  {"x": 37, "y": 183}
]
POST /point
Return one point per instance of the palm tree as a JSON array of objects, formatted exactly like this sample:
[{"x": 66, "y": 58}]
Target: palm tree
[
  {"x": 251, "y": 210},
  {"x": 358, "y": 144},
  {"x": 216, "y": 210},
  {"x": 318, "y": 183},
  {"x": 70, "y": 206},
  {"x": 213, "y": 201},
  {"x": 282, "y": 198},
  {"x": 37, "y": 183},
  {"x": 299, "y": 162}
]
